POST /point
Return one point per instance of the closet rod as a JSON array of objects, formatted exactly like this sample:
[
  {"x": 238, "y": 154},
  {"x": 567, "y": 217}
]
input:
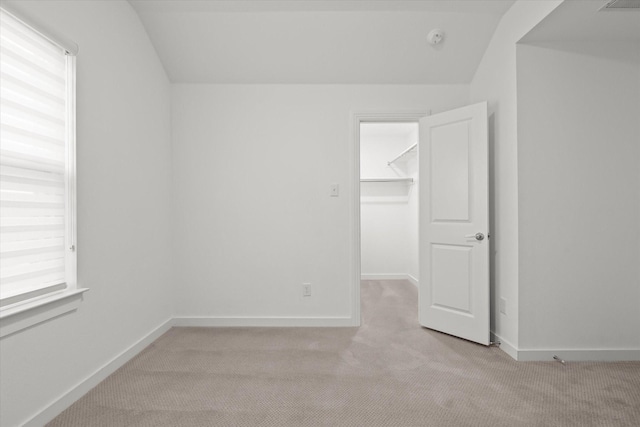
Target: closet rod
[
  {"x": 402, "y": 154},
  {"x": 386, "y": 180}
]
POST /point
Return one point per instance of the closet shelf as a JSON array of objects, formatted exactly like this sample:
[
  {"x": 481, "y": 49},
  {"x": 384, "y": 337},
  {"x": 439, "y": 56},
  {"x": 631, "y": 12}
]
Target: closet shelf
[
  {"x": 407, "y": 180},
  {"x": 402, "y": 154}
]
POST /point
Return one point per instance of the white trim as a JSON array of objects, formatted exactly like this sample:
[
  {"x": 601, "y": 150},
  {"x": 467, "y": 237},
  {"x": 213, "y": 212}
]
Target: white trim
[
  {"x": 408, "y": 277},
  {"x": 568, "y": 355},
  {"x": 54, "y": 37},
  {"x": 71, "y": 396},
  {"x": 581, "y": 355},
  {"x": 413, "y": 280},
  {"x": 223, "y": 321},
  {"x": 71, "y": 228},
  {"x": 24, "y": 314},
  {"x": 410, "y": 116},
  {"x": 505, "y": 346},
  {"x": 354, "y": 213},
  {"x": 399, "y": 276}
]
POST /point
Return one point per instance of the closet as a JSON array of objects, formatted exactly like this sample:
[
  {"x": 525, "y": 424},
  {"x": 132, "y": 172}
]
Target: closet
[{"x": 389, "y": 201}]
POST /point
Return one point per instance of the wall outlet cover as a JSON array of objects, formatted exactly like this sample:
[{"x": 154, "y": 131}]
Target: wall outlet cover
[{"x": 306, "y": 289}]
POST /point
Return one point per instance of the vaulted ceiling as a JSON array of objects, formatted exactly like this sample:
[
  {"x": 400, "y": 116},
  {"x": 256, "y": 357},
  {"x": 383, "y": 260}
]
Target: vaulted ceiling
[
  {"x": 588, "y": 21},
  {"x": 324, "y": 42},
  {"x": 585, "y": 27}
]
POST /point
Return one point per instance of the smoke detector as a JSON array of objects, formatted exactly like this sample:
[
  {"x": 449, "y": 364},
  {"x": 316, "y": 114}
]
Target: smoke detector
[
  {"x": 435, "y": 36},
  {"x": 621, "y": 5}
]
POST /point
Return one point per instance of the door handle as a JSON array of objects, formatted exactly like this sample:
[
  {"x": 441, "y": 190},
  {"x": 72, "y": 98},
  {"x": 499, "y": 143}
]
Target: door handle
[{"x": 477, "y": 236}]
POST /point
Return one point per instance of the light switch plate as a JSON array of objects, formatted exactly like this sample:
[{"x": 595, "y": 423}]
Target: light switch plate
[{"x": 502, "y": 307}]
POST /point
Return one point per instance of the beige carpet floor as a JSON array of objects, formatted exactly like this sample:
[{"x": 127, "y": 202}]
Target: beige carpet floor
[{"x": 389, "y": 372}]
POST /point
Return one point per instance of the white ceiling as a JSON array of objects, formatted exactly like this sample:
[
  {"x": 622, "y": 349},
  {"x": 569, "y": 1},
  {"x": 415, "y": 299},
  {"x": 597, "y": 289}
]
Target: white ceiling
[{"x": 330, "y": 41}]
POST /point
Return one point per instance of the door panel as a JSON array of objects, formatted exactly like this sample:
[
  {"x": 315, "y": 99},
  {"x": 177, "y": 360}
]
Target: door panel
[
  {"x": 449, "y": 178},
  {"x": 450, "y": 273},
  {"x": 454, "y": 264}
]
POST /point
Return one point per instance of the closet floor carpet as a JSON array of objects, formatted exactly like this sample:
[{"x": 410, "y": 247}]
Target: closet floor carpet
[{"x": 388, "y": 372}]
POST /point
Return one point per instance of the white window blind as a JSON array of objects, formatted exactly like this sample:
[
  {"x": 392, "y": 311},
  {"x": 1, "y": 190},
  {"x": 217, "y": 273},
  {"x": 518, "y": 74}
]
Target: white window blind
[{"x": 35, "y": 162}]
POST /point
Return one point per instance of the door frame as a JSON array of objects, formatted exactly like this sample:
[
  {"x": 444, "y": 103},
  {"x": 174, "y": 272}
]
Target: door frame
[{"x": 406, "y": 116}]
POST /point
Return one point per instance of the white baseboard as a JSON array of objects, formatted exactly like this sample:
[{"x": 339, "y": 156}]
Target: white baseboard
[
  {"x": 399, "y": 276},
  {"x": 71, "y": 396},
  {"x": 264, "y": 321},
  {"x": 580, "y": 355},
  {"x": 505, "y": 346},
  {"x": 413, "y": 280}
]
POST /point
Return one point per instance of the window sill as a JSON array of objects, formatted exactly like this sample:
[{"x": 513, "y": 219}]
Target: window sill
[{"x": 19, "y": 316}]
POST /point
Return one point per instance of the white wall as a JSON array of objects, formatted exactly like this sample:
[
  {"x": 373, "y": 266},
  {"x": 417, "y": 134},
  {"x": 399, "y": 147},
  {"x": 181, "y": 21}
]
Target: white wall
[
  {"x": 386, "y": 244},
  {"x": 495, "y": 82},
  {"x": 579, "y": 188},
  {"x": 253, "y": 216},
  {"x": 123, "y": 157}
]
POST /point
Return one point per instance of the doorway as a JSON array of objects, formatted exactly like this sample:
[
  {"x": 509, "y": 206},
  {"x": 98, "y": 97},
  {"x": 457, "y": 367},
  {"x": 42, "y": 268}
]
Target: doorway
[
  {"x": 385, "y": 188},
  {"x": 359, "y": 120},
  {"x": 389, "y": 201},
  {"x": 452, "y": 214}
]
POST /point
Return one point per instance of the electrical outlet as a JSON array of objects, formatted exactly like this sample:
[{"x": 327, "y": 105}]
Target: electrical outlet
[
  {"x": 334, "y": 190},
  {"x": 306, "y": 289},
  {"x": 503, "y": 306}
]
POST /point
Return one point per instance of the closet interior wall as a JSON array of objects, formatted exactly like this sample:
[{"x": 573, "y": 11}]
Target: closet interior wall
[{"x": 388, "y": 209}]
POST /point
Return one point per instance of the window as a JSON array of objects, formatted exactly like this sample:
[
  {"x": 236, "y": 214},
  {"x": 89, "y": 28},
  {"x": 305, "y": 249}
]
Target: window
[{"x": 37, "y": 168}]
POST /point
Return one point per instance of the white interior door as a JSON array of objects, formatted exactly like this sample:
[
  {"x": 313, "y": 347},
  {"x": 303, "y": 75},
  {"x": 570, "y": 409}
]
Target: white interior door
[{"x": 454, "y": 223}]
